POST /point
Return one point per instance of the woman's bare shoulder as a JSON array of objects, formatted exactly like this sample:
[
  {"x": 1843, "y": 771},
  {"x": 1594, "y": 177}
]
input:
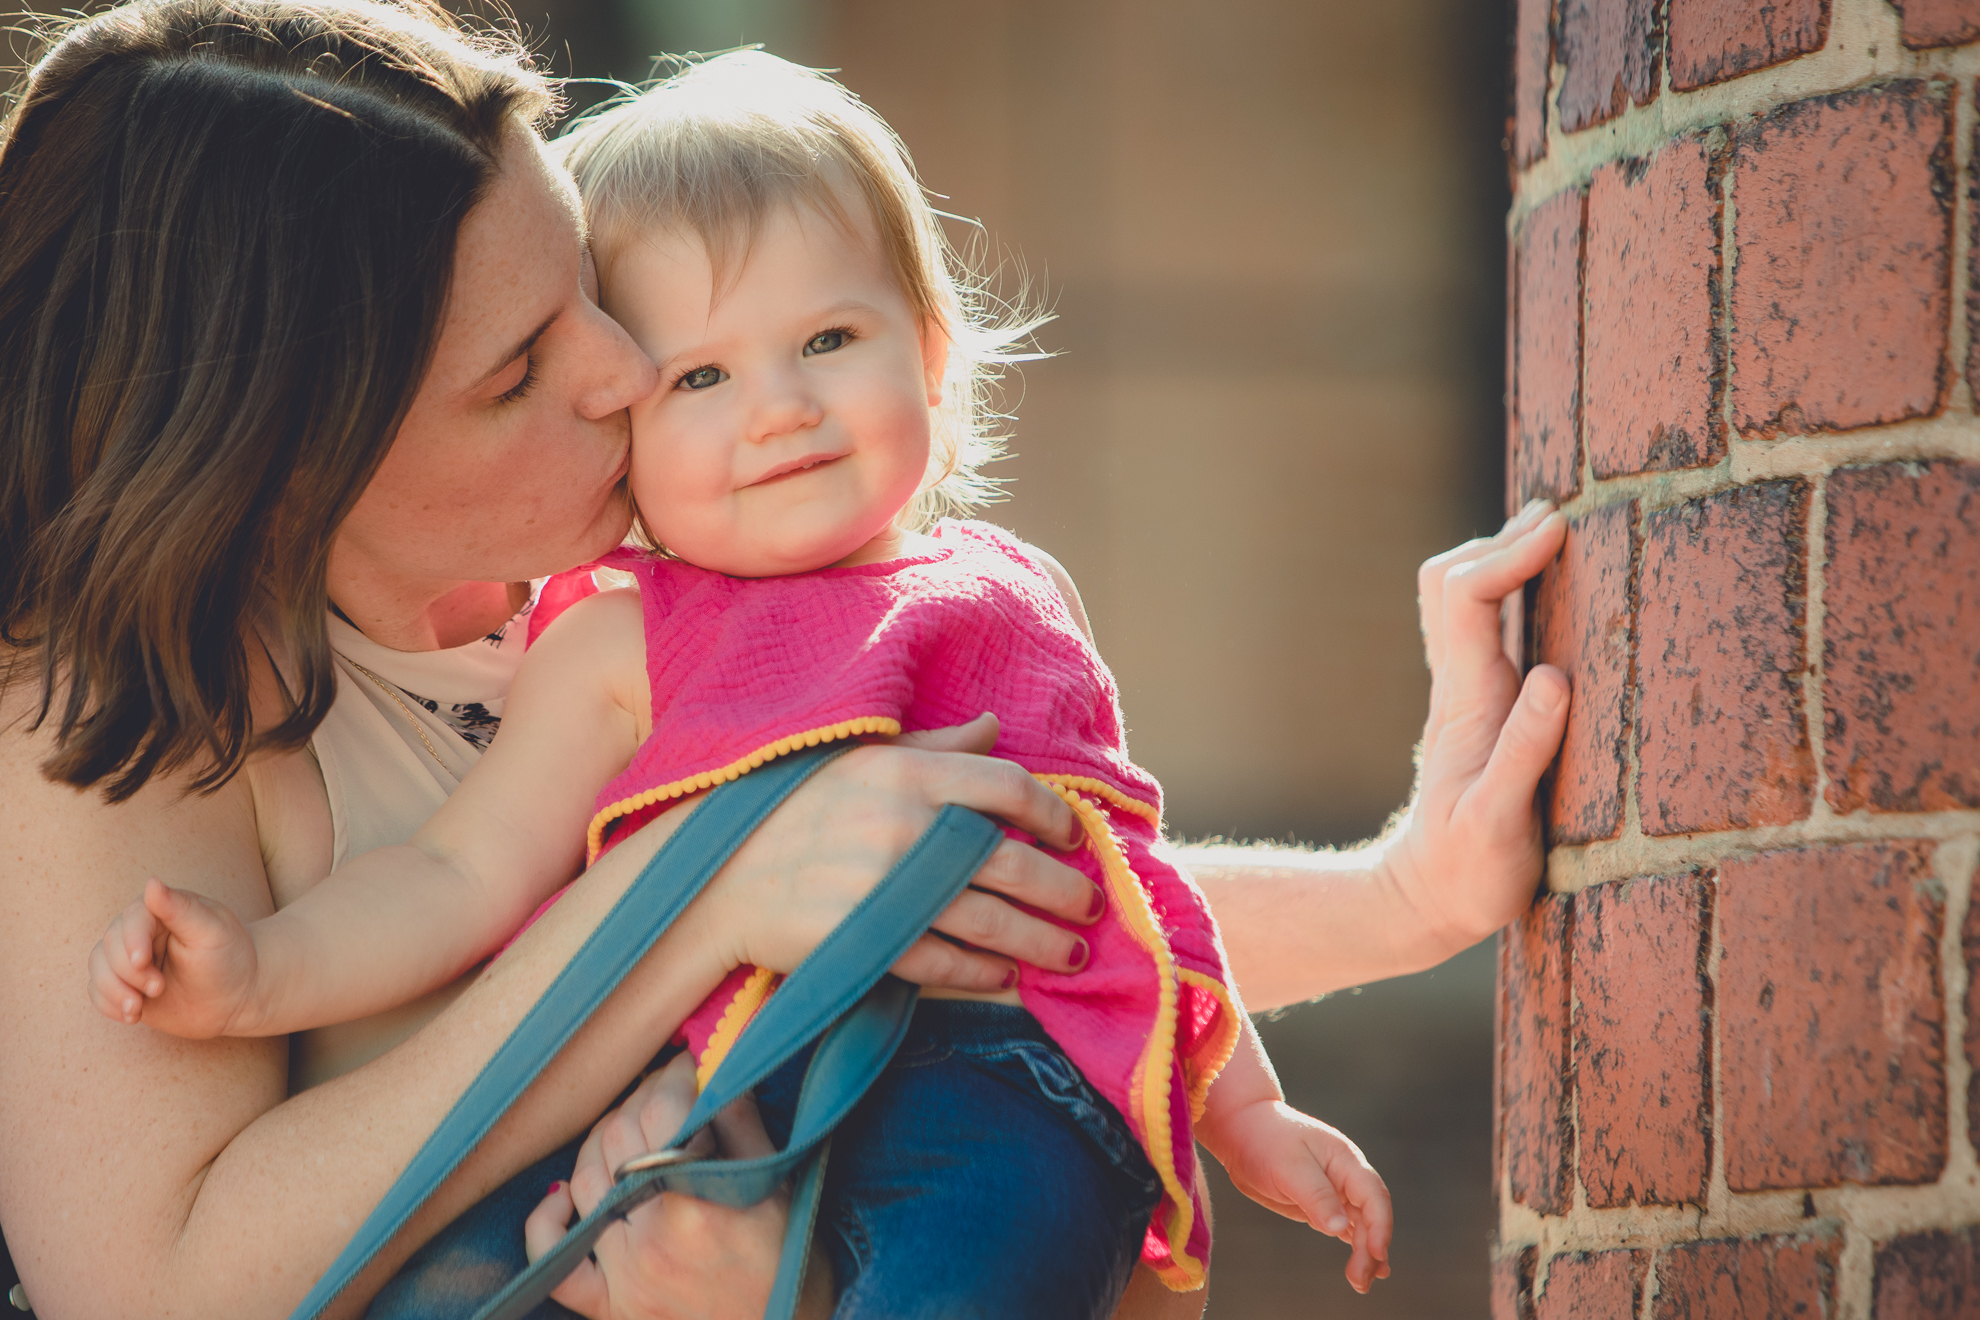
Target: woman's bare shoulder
[{"x": 68, "y": 862}]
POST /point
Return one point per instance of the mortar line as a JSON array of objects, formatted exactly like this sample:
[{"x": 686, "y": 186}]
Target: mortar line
[
  {"x": 1855, "y": 1268},
  {"x": 1954, "y": 864},
  {"x": 1815, "y": 658},
  {"x": 1916, "y": 439},
  {"x": 1574, "y": 867}
]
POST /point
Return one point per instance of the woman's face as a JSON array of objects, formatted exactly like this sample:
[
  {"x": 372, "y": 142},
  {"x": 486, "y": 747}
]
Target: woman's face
[{"x": 510, "y": 464}]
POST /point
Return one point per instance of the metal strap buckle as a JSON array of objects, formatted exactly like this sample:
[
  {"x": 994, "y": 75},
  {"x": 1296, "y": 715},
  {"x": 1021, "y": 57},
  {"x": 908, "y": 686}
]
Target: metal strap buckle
[{"x": 653, "y": 1159}]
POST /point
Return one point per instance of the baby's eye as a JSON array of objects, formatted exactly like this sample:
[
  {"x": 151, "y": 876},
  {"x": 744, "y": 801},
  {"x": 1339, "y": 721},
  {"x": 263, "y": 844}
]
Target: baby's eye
[
  {"x": 701, "y": 378},
  {"x": 829, "y": 341}
]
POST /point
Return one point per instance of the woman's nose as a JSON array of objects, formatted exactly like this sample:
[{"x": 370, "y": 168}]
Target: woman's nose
[{"x": 616, "y": 373}]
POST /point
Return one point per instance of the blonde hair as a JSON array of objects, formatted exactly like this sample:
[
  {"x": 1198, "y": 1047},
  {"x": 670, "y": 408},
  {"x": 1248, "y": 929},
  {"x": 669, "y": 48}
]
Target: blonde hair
[{"x": 727, "y": 141}]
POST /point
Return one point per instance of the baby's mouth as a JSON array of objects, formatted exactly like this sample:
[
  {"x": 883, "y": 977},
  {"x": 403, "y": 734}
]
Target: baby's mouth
[{"x": 809, "y": 463}]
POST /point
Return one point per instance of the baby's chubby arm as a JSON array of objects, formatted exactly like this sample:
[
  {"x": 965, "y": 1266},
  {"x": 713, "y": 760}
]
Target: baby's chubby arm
[
  {"x": 394, "y": 923},
  {"x": 1293, "y": 1164}
]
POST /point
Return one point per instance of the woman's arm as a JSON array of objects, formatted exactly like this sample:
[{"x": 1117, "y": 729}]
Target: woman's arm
[
  {"x": 170, "y": 1178},
  {"x": 1464, "y": 858}
]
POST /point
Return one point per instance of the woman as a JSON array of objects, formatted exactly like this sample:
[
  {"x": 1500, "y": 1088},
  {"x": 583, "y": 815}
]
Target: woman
[{"x": 291, "y": 323}]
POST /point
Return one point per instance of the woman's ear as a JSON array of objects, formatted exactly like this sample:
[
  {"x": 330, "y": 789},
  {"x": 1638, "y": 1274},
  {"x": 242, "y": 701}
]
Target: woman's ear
[{"x": 934, "y": 358}]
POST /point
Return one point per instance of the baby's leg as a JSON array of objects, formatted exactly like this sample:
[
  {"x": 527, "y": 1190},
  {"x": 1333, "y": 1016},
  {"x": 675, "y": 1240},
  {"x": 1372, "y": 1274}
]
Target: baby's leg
[{"x": 982, "y": 1177}]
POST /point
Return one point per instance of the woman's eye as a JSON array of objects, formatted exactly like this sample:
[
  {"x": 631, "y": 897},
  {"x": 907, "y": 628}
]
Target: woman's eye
[
  {"x": 828, "y": 342},
  {"x": 702, "y": 378}
]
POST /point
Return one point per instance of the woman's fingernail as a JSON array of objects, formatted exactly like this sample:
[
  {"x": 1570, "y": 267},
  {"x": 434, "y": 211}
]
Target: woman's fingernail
[
  {"x": 1098, "y": 905},
  {"x": 1010, "y": 978},
  {"x": 555, "y": 1187},
  {"x": 1337, "y": 1224},
  {"x": 1080, "y": 954}
]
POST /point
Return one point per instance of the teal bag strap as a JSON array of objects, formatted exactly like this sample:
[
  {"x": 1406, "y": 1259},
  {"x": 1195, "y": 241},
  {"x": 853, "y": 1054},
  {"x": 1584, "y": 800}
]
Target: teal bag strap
[{"x": 846, "y": 972}]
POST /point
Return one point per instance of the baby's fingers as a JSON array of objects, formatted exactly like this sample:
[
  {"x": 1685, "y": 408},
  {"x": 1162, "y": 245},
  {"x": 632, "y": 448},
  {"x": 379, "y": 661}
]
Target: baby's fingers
[
  {"x": 1375, "y": 1222},
  {"x": 111, "y": 995}
]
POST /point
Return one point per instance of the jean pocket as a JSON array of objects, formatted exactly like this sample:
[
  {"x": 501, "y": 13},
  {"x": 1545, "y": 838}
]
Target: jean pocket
[{"x": 1066, "y": 1089}]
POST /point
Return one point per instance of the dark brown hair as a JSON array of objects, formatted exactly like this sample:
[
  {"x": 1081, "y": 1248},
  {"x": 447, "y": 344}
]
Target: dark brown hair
[{"x": 227, "y": 232}]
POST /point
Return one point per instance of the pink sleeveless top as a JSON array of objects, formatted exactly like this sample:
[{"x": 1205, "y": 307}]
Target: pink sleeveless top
[{"x": 746, "y": 669}]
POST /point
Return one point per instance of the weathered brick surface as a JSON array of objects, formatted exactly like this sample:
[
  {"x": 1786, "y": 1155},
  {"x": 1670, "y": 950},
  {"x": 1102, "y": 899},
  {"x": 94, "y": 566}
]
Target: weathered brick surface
[
  {"x": 1547, "y": 351},
  {"x": 1533, "y": 978},
  {"x": 1844, "y": 231},
  {"x": 1712, "y": 40},
  {"x": 1533, "y": 56},
  {"x": 1512, "y": 1286},
  {"x": 1601, "y": 1285},
  {"x": 1901, "y": 638},
  {"x": 1930, "y": 23},
  {"x": 1642, "y": 1040},
  {"x": 1581, "y": 622},
  {"x": 1969, "y": 939},
  {"x": 1831, "y": 1017},
  {"x": 1652, "y": 350},
  {"x": 1928, "y": 1276},
  {"x": 1723, "y": 743},
  {"x": 1774, "y": 1278},
  {"x": 1609, "y": 53}
]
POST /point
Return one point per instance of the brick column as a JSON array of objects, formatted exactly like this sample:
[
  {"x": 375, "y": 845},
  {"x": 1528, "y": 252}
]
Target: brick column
[{"x": 1740, "y": 1028}]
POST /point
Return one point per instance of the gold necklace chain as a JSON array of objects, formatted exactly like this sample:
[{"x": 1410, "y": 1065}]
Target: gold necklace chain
[{"x": 399, "y": 701}]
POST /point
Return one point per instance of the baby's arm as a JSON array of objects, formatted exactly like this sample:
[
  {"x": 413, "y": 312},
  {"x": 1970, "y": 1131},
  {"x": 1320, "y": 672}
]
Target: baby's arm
[
  {"x": 1293, "y": 1164},
  {"x": 397, "y": 922}
]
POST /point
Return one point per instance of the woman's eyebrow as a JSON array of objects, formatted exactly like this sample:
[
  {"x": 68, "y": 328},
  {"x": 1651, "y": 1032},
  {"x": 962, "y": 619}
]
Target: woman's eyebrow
[{"x": 528, "y": 343}]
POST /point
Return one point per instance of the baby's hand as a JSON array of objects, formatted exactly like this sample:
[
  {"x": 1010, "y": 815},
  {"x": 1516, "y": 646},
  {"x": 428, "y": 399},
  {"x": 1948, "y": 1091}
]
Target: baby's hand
[
  {"x": 175, "y": 961},
  {"x": 1306, "y": 1170}
]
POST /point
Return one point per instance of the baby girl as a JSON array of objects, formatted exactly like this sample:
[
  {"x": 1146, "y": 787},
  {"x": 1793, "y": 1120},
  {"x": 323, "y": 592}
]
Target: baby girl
[{"x": 762, "y": 236}]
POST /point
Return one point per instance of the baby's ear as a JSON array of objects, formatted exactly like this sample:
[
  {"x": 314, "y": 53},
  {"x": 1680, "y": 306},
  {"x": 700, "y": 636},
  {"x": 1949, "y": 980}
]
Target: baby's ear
[{"x": 934, "y": 357}]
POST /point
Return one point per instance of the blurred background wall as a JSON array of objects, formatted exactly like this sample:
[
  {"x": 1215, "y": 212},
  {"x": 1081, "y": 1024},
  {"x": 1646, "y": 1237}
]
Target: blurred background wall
[{"x": 1272, "y": 233}]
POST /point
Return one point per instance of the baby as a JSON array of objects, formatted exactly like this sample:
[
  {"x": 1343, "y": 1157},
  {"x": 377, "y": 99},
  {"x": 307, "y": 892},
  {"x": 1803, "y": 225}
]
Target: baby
[{"x": 762, "y": 236}]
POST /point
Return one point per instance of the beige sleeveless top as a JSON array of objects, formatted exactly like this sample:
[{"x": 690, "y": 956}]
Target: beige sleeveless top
[{"x": 406, "y": 727}]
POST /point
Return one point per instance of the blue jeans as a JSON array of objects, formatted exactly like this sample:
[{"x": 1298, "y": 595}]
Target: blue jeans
[{"x": 981, "y": 1176}]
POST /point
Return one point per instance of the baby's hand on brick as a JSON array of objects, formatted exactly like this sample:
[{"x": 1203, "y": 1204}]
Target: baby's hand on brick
[
  {"x": 176, "y": 961},
  {"x": 1306, "y": 1170}
]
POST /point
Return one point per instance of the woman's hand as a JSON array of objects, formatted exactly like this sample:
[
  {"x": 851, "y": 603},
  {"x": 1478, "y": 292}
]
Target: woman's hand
[
  {"x": 1470, "y": 855},
  {"x": 674, "y": 1258},
  {"x": 824, "y": 849}
]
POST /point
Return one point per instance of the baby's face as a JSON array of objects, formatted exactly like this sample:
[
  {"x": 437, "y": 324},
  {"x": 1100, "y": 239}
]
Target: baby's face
[{"x": 792, "y": 420}]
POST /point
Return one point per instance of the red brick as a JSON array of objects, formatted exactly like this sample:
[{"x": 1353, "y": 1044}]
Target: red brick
[
  {"x": 1713, "y": 40},
  {"x": 1653, "y": 352},
  {"x": 1969, "y": 939},
  {"x": 1602, "y": 1285},
  {"x": 1973, "y": 298},
  {"x": 1841, "y": 290},
  {"x": 1901, "y": 638},
  {"x": 1642, "y": 1040},
  {"x": 1831, "y": 1017},
  {"x": 1512, "y": 1286},
  {"x": 1763, "y": 1279},
  {"x": 1722, "y": 606},
  {"x": 1547, "y": 351},
  {"x": 1533, "y": 978},
  {"x": 1533, "y": 58},
  {"x": 1581, "y": 622},
  {"x": 1930, "y": 23},
  {"x": 1609, "y": 52},
  {"x": 1927, "y": 1276}
]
